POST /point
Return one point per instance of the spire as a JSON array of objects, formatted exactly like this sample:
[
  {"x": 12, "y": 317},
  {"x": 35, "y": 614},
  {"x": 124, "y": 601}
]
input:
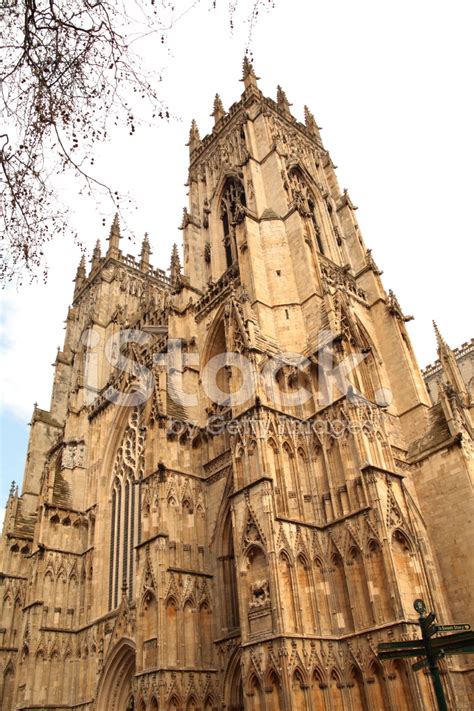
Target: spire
[
  {"x": 450, "y": 367},
  {"x": 440, "y": 342},
  {"x": 218, "y": 111},
  {"x": 145, "y": 254},
  {"x": 194, "y": 137},
  {"x": 282, "y": 102},
  {"x": 96, "y": 256},
  {"x": 80, "y": 275},
  {"x": 248, "y": 75},
  {"x": 81, "y": 269},
  {"x": 175, "y": 266},
  {"x": 114, "y": 237},
  {"x": 310, "y": 122}
]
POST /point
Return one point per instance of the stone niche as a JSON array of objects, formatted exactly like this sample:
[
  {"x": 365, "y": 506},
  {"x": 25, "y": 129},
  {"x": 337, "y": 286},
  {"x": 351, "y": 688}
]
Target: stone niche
[{"x": 260, "y": 609}]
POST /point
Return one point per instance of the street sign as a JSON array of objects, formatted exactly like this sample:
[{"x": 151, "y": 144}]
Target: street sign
[
  {"x": 400, "y": 653},
  {"x": 412, "y": 644},
  {"x": 428, "y": 629},
  {"x": 420, "y": 665},
  {"x": 459, "y": 650},
  {"x": 419, "y": 606},
  {"x": 450, "y": 640},
  {"x": 453, "y": 628},
  {"x": 428, "y": 620},
  {"x": 432, "y": 649}
]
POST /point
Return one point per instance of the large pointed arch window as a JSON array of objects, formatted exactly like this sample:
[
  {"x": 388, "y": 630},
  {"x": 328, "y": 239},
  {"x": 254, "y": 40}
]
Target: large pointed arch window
[
  {"x": 125, "y": 514},
  {"x": 233, "y": 205},
  {"x": 305, "y": 203}
]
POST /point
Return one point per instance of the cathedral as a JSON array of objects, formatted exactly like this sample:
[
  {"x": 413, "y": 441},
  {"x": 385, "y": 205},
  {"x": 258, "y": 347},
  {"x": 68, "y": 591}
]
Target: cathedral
[{"x": 242, "y": 483}]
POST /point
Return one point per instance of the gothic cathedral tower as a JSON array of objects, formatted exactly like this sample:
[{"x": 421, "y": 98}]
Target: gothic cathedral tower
[{"x": 230, "y": 501}]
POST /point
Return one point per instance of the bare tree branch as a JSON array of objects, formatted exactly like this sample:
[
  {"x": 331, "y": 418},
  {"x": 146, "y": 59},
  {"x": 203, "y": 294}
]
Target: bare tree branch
[{"x": 67, "y": 70}]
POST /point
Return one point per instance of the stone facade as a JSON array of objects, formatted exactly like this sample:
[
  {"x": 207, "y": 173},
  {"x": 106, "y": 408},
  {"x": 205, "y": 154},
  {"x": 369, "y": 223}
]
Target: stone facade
[{"x": 176, "y": 549}]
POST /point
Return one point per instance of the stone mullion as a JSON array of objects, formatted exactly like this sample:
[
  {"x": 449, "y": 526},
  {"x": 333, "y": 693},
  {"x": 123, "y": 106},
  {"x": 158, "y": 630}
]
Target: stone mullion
[
  {"x": 132, "y": 539},
  {"x": 350, "y": 452},
  {"x": 117, "y": 523},
  {"x": 370, "y": 694},
  {"x": 306, "y": 694},
  {"x": 126, "y": 534},
  {"x": 312, "y": 484},
  {"x": 161, "y": 610},
  {"x": 260, "y": 458},
  {"x": 361, "y": 456},
  {"x": 330, "y": 475},
  {"x": 333, "y": 599},
  {"x": 310, "y": 578},
  {"x": 272, "y": 473},
  {"x": 317, "y": 607},
  {"x": 347, "y": 697},
  {"x": 286, "y": 688},
  {"x": 354, "y": 601},
  {"x": 112, "y": 549},
  {"x": 369, "y": 570},
  {"x": 295, "y": 484},
  {"x": 396, "y": 596},
  {"x": 294, "y": 592},
  {"x": 283, "y": 484},
  {"x": 416, "y": 689},
  {"x": 368, "y": 590},
  {"x": 392, "y": 699}
]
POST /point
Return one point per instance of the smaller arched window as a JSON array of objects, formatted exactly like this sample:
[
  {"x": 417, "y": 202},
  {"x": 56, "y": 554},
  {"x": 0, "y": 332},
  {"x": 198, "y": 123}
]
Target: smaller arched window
[
  {"x": 316, "y": 227},
  {"x": 233, "y": 205}
]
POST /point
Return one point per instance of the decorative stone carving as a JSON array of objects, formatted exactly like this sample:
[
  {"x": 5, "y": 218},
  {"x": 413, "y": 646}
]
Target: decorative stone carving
[
  {"x": 73, "y": 455},
  {"x": 395, "y": 309},
  {"x": 260, "y": 592}
]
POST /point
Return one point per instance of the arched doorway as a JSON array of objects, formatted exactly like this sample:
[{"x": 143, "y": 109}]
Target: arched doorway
[
  {"x": 114, "y": 692},
  {"x": 234, "y": 692}
]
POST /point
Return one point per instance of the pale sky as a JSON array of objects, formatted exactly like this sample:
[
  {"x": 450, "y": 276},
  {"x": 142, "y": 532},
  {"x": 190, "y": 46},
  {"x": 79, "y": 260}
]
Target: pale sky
[{"x": 391, "y": 85}]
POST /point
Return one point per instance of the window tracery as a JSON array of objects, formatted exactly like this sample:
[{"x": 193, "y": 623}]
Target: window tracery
[
  {"x": 125, "y": 514},
  {"x": 233, "y": 212},
  {"x": 305, "y": 203}
]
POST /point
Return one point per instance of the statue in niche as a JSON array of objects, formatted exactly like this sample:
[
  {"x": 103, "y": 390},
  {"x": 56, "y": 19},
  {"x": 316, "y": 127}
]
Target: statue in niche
[{"x": 260, "y": 592}]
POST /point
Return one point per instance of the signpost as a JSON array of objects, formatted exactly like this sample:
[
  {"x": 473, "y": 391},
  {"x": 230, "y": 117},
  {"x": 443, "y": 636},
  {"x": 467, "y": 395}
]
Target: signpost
[
  {"x": 432, "y": 648},
  {"x": 453, "y": 628}
]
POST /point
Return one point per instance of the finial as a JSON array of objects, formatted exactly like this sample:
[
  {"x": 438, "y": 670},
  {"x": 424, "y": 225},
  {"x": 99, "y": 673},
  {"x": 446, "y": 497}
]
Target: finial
[
  {"x": 282, "y": 102},
  {"x": 248, "y": 75},
  {"x": 310, "y": 122},
  {"x": 80, "y": 274},
  {"x": 218, "y": 110},
  {"x": 145, "y": 253},
  {"x": 439, "y": 338},
  {"x": 175, "y": 266},
  {"x": 194, "y": 137},
  {"x": 114, "y": 237},
  {"x": 96, "y": 256},
  {"x": 81, "y": 269},
  {"x": 13, "y": 488}
]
